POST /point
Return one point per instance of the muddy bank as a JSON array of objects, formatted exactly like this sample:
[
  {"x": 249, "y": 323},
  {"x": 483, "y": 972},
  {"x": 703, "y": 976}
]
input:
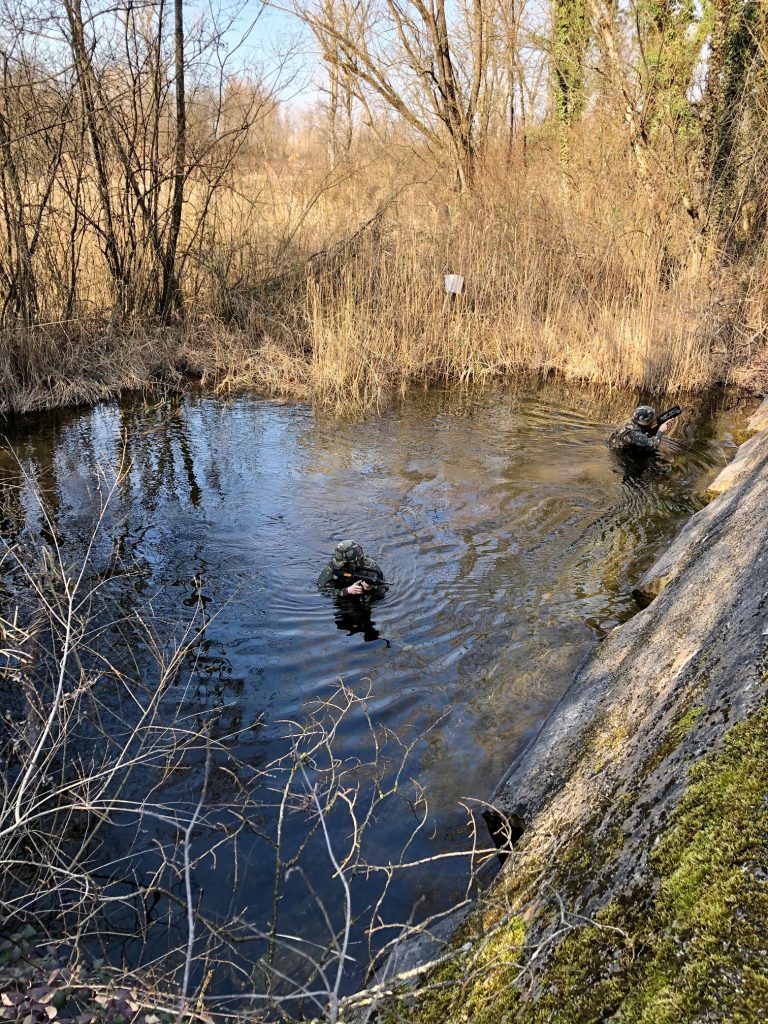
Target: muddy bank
[
  {"x": 637, "y": 889},
  {"x": 281, "y": 356}
]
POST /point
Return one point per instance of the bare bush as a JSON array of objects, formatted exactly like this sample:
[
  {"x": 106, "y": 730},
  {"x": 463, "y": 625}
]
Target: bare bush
[{"x": 120, "y": 793}]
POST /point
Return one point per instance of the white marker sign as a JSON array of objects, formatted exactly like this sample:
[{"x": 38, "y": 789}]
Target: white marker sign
[{"x": 454, "y": 284}]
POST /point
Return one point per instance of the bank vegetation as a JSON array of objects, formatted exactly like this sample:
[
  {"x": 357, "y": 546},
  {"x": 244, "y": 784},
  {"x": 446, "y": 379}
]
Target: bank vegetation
[{"x": 594, "y": 171}]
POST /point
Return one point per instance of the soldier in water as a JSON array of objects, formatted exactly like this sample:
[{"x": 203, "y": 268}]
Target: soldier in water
[
  {"x": 341, "y": 577},
  {"x": 639, "y": 435},
  {"x": 344, "y": 571}
]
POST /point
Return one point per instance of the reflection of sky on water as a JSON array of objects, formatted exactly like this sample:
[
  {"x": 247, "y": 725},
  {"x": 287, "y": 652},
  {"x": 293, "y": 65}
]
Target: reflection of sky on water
[{"x": 510, "y": 536}]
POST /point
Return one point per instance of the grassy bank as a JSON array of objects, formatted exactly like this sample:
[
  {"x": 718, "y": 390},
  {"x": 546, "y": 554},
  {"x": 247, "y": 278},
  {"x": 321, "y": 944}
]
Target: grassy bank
[
  {"x": 597, "y": 180},
  {"x": 52, "y": 367},
  {"x": 342, "y": 302},
  {"x": 694, "y": 946}
]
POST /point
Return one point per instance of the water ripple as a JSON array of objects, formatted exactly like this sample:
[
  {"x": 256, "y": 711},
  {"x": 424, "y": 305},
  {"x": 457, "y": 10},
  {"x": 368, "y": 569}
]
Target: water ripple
[{"x": 510, "y": 534}]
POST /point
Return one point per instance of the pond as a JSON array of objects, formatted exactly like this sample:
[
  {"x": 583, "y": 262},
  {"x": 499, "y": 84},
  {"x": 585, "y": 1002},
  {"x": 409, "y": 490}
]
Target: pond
[{"x": 512, "y": 539}]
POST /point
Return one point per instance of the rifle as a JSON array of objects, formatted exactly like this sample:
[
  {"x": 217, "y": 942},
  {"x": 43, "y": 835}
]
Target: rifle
[
  {"x": 350, "y": 576},
  {"x": 668, "y": 415}
]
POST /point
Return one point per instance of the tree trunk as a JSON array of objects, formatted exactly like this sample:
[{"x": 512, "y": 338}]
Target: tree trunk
[
  {"x": 23, "y": 291},
  {"x": 638, "y": 141},
  {"x": 333, "y": 113},
  {"x": 734, "y": 50},
  {"x": 569, "y": 51},
  {"x": 86, "y": 86},
  {"x": 171, "y": 296}
]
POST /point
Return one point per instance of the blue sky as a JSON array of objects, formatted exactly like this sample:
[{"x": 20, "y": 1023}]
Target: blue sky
[{"x": 277, "y": 39}]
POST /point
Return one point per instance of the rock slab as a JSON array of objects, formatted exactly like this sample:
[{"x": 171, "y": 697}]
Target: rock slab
[{"x": 612, "y": 758}]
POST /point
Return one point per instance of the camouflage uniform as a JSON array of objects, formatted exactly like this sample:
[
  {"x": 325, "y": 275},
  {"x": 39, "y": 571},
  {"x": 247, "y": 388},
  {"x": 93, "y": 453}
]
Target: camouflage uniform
[
  {"x": 348, "y": 555},
  {"x": 631, "y": 435}
]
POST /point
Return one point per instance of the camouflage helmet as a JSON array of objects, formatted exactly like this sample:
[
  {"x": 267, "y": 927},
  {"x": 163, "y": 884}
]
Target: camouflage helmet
[
  {"x": 644, "y": 415},
  {"x": 347, "y": 552}
]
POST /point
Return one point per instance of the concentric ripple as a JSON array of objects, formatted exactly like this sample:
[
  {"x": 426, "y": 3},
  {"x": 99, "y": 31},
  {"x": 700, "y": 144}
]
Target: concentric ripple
[{"x": 510, "y": 534}]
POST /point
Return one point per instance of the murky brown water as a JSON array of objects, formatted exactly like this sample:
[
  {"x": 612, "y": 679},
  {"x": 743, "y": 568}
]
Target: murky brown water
[{"x": 511, "y": 536}]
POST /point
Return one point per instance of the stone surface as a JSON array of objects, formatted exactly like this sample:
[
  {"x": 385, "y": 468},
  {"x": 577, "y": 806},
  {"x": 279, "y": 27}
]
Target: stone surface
[
  {"x": 759, "y": 419},
  {"x": 738, "y": 469},
  {"x": 609, "y": 765},
  {"x": 422, "y": 947},
  {"x": 703, "y": 633},
  {"x": 605, "y": 789}
]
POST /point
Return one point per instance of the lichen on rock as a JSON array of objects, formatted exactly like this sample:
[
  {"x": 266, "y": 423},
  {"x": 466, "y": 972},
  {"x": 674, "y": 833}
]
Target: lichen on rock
[{"x": 759, "y": 419}]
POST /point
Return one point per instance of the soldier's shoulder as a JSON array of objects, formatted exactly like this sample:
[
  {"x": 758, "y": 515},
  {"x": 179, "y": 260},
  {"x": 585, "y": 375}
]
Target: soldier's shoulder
[
  {"x": 629, "y": 435},
  {"x": 325, "y": 576},
  {"x": 620, "y": 435},
  {"x": 646, "y": 440}
]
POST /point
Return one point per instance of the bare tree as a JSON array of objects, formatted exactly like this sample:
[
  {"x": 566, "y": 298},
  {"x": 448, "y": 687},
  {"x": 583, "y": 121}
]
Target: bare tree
[
  {"x": 29, "y": 172},
  {"x": 735, "y": 72},
  {"x": 340, "y": 101},
  {"x": 171, "y": 294},
  {"x": 571, "y": 37},
  {"x": 100, "y": 161},
  {"x": 412, "y": 58}
]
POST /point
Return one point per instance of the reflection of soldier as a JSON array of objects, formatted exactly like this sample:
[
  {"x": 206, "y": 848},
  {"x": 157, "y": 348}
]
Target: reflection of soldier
[
  {"x": 345, "y": 568},
  {"x": 631, "y": 465},
  {"x": 355, "y": 617},
  {"x": 638, "y": 435}
]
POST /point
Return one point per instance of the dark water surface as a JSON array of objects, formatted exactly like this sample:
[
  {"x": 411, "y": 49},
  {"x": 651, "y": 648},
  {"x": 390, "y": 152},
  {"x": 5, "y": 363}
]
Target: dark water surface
[{"x": 511, "y": 536}]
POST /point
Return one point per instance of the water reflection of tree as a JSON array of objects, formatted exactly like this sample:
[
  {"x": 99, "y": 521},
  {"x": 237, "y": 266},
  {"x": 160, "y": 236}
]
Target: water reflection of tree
[{"x": 130, "y": 808}]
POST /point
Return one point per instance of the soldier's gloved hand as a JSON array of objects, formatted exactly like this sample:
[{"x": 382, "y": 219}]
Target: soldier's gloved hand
[{"x": 360, "y": 587}]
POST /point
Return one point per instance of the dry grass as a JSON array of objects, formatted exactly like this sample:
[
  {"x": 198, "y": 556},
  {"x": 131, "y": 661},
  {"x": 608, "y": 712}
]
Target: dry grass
[
  {"x": 382, "y": 322},
  {"x": 52, "y": 367},
  {"x": 578, "y": 273},
  {"x": 589, "y": 282}
]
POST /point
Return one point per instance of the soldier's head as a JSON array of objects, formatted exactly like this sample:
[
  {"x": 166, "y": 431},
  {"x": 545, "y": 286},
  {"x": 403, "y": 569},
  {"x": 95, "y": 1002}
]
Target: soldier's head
[
  {"x": 643, "y": 416},
  {"x": 348, "y": 552}
]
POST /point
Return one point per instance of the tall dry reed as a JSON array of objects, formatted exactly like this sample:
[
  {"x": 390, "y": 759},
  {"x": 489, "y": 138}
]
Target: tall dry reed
[
  {"x": 382, "y": 321},
  {"x": 329, "y": 287},
  {"x": 585, "y": 278}
]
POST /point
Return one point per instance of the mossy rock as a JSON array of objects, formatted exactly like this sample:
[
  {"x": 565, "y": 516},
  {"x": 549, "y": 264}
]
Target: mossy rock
[
  {"x": 693, "y": 944},
  {"x": 687, "y": 944}
]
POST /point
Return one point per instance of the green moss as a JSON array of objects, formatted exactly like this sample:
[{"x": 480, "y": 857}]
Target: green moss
[
  {"x": 687, "y": 945},
  {"x": 605, "y": 742},
  {"x": 492, "y": 992},
  {"x": 684, "y": 724},
  {"x": 695, "y": 946},
  {"x": 673, "y": 738},
  {"x": 692, "y": 944},
  {"x": 478, "y": 987},
  {"x": 591, "y": 850}
]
